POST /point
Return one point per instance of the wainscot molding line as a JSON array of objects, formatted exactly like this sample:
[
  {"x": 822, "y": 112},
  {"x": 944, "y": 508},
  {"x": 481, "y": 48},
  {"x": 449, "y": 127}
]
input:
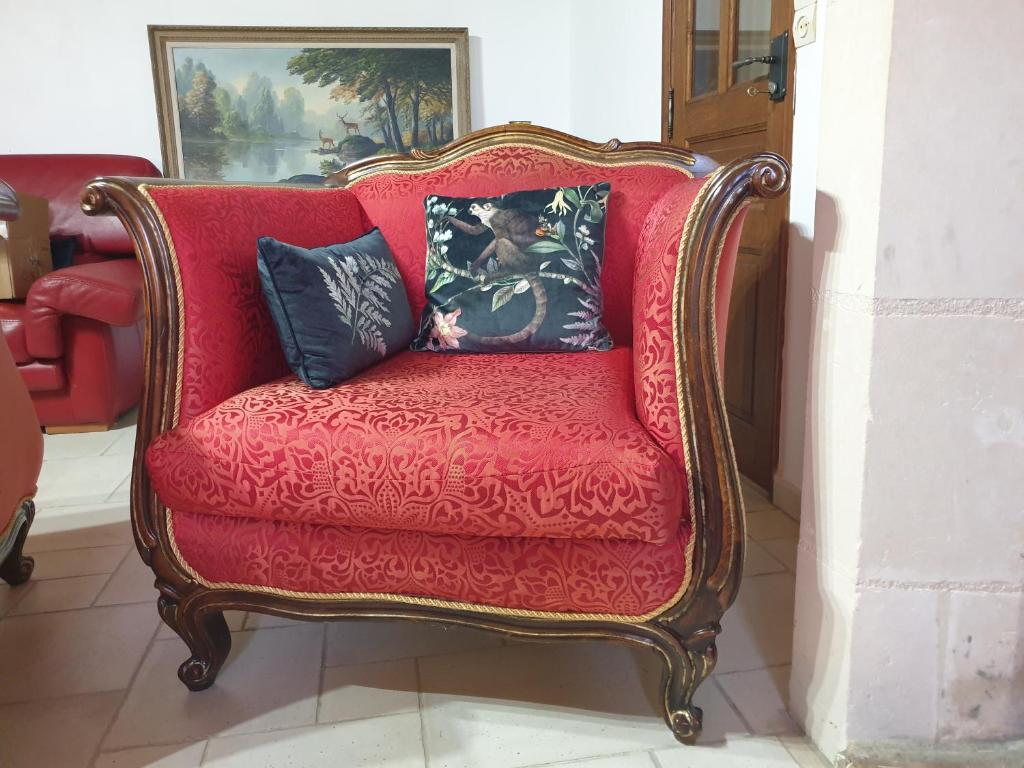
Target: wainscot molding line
[
  {"x": 996, "y": 587},
  {"x": 1009, "y": 309}
]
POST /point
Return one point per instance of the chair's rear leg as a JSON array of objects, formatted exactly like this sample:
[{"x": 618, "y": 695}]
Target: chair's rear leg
[
  {"x": 687, "y": 663},
  {"x": 207, "y": 636},
  {"x": 17, "y": 567}
]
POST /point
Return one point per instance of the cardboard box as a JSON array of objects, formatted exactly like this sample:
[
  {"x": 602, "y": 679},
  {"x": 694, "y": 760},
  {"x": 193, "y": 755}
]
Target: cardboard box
[{"x": 25, "y": 248}]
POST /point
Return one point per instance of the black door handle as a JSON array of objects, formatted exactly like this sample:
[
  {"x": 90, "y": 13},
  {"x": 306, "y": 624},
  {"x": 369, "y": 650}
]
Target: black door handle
[{"x": 754, "y": 60}]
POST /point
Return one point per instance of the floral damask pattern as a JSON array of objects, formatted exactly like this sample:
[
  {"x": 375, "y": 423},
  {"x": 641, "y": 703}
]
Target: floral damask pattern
[
  {"x": 516, "y": 445},
  {"x": 230, "y": 343},
  {"x": 628, "y": 578}
]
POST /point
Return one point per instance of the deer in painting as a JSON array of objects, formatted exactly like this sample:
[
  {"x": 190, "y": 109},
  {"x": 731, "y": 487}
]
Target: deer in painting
[
  {"x": 326, "y": 142},
  {"x": 350, "y": 128}
]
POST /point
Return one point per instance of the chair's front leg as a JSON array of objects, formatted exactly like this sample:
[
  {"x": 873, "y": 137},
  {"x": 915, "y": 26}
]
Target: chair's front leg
[
  {"x": 688, "y": 662},
  {"x": 17, "y": 567},
  {"x": 206, "y": 634}
]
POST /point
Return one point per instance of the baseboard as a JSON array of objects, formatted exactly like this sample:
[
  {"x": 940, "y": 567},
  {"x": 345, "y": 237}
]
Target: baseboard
[
  {"x": 911, "y": 754},
  {"x": 786, "y": 496}
]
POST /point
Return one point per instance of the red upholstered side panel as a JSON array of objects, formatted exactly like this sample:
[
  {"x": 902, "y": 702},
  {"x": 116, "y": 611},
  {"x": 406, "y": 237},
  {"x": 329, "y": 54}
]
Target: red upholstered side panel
[
  {"x": 653, "y": 354},
  {"x": 394, "y": 202},
  {"x": 230, "y": 342},
  {"x": 621, "y": 577},
  {"x": 654, "y": 373}
]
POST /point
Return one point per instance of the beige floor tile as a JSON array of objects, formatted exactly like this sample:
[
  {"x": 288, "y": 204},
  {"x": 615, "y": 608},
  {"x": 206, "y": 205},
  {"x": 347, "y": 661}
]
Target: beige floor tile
[
  {"x": 783, "y": 550},
  {"x": 63, "y": 563},
  {"x": 804, "y": 752},
  {"x": 634, "y": 760},
  {"x": 757, "y": 631},
  {"x": 80, "y": 481},
  {"x": 235, "y": 620},
  {"x": 72, "y": 652},
  {"x": 57, "y": 733},
  {"x": 356, "y": 692},
  {"x": 61, "y": 517},
  {"x": 132, "y": 582},
  {"x": 761, "y": 695},
  {"x": 174, "y": 756},
  {"x": 383, "y": 742},
  {"x": 9, "y": 596},
  {"x": 270, "y": 680},
  {"x": 78, "y": 445},
  {"x": 771, "y": 524},
  {"x": 363, "y": 641},
  {"x": 123, "y": 492},
  {"x": 513, "y": 706},
  {"x": 125, "y": 443},
  {"x": 750, "y": 752},
  {"x": 759, "y": 561},
  {"x": 86, "y": 536},
  {"x": 60, "y": 594}
]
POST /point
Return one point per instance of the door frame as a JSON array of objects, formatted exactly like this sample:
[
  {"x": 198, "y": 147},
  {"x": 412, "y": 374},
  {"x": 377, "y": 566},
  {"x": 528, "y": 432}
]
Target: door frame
[{"x": 674, "y": 90}]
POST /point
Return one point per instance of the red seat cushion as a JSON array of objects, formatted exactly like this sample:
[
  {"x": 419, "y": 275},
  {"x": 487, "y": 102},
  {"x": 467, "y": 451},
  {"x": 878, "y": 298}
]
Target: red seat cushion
[
  {"x": 513, "y": 445},
  {"x": 624, "y": 578}
]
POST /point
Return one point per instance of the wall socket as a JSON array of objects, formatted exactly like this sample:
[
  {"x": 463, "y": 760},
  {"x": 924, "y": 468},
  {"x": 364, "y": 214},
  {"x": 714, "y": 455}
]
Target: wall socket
[{"x": 804, "y": 28}]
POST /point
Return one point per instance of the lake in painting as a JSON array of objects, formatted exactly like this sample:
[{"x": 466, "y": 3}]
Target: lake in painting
[{"x": 269, "y": 113}]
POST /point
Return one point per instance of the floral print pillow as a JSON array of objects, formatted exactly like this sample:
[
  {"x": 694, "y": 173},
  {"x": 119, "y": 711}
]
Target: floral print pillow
[{"x": 517, "y": 272}]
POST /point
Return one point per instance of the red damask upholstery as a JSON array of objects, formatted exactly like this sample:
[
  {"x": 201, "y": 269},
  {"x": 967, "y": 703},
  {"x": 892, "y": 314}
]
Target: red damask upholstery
[
  {"x": 517, "y": 445},
  {"x": 628, "y": 578},
  {"x": 537, "y": 481},
  {"x": 230, "y": 342}
]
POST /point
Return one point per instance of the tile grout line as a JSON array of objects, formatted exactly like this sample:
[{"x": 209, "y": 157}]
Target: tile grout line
[
  {"x": 732, "y": 705},
  {"x": 654, "y": 758},
  {"x": 124, "y": 695},
  {"x": 323, "y": 668},
  {"x": 111, "y": 576},
  {"x": 419, "y": 711}
]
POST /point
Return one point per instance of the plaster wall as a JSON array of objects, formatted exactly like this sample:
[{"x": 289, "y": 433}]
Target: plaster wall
[{"x": 909, "y": 604}]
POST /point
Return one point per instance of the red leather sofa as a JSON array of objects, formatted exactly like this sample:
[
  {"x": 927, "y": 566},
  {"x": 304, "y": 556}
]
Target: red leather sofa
[
  {"x": 21, "y": 452},
  {"x": 77, "y": 338}
]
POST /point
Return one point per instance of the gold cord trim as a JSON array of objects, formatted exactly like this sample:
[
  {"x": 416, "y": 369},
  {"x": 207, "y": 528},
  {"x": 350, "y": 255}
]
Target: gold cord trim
[{"x": 436, "y": 602}]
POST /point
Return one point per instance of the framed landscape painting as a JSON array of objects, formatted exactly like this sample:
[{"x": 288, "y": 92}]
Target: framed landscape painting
[{"x": 254, "y": 104}]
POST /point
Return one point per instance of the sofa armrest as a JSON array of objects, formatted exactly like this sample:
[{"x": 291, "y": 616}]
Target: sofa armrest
[
  {"x": 109, "y": 292},
  {"x": 211, "y": 332}
]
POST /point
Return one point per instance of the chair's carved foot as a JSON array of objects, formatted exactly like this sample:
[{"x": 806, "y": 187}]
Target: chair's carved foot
[
  {"x": 208, "y": 638},
  {"x": 688, "y": 662},
  {"x": 17, "y": 567}
]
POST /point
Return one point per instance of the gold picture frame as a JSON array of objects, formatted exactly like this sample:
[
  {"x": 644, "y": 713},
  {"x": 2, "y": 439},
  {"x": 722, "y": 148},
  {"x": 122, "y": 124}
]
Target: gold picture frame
[{"x": 258, "y": 104}]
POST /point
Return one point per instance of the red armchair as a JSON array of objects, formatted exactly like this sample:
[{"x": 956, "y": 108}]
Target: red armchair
[
  {"x": 77, "y": 338},
  {"x": 21, "y": 451},
  {"x": 545, "y": 495}
]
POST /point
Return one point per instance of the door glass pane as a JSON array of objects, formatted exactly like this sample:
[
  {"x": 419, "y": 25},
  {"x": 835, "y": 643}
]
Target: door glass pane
[
  {"x": 753, "y": 36},
  {"x": 706, "y": 33}
]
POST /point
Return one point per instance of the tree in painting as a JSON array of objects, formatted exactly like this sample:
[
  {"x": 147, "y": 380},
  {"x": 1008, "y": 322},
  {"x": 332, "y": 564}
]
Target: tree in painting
[{"x": 385, "y": 81}]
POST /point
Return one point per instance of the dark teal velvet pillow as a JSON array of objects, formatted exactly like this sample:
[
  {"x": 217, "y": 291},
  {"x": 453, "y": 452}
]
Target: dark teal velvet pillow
[
  {"x": 337, "y": 309},
  {"x": 519, "y": 272}
]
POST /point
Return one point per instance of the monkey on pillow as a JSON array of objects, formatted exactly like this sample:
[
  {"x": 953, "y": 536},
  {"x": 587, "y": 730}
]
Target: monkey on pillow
[{"x": 517, "y": 272}]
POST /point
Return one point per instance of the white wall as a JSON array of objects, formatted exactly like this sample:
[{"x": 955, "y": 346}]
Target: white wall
[
  {"x": 909, "y": 599},
  {"x": 84, "y": 82},
  {"x": 616, "y": 69}
]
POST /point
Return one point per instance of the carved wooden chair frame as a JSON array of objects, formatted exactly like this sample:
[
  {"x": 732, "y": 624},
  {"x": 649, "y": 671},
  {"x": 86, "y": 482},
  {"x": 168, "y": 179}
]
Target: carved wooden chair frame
[{"x": 684, "y": 633}]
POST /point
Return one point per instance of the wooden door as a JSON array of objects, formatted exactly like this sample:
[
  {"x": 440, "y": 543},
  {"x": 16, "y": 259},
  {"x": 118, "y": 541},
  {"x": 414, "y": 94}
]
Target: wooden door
[{"x": 723, "y": 111}]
